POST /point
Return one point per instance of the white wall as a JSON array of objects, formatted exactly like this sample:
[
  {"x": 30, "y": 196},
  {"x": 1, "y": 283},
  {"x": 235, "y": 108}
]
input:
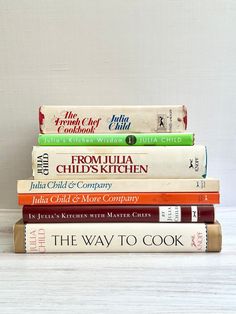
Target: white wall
[{"x": 117, "y": 52}]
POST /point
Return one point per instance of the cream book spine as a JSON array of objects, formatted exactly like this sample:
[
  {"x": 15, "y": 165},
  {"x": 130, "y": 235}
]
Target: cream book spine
[
  {"x": 116, "y": 237},
  {"x": 112, "y": 119},
  {"x": 149, "y": 162},
  {"x": 113, "y": 185}
]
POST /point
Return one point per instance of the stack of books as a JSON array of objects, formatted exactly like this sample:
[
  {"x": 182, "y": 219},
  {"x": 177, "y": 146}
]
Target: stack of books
[{"x": 117, "y": 179}]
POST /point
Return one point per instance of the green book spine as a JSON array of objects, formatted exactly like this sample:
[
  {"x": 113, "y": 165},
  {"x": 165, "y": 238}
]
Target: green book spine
[{"x": 142, "y": 139}]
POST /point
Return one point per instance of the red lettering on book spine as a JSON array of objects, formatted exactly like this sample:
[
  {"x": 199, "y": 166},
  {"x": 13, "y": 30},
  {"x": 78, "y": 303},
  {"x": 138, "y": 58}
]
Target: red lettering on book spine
[{"x": 41, "y": 119}]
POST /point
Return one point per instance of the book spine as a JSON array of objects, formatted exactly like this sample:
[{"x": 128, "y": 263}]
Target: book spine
[
  {"x": 144, "y": 139},
  {"x": 116, "y": 213},
  {"x": 127, "y": 185},
  {"x": 112, "y": 119},
  {"x": 125, "y": 198},
  {"x": 187, "y": 162},
  {"x": 115, "y": 237}
]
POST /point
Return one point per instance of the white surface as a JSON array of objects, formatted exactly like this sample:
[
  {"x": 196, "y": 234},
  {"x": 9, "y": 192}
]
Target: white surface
[
  {"x": 117, "y": 52},
  {"x": 116, "y": 283}
]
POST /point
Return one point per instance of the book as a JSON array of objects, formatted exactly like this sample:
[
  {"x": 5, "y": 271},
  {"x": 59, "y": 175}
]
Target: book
[
  {"x": 116, "y": 237},
  {"x": 143, "y": 139},
  {"x": 112, "y": 119},
  {"x": 123, "y": 198},
  {"x": 172, "y": 162},
  {"x": 118, "y": 213},
  {"x": 114, "y": 185}
]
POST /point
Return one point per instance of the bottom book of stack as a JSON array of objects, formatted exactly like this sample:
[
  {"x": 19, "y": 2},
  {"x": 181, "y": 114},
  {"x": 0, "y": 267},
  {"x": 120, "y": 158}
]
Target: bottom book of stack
[{"x": 117, "y": 237}]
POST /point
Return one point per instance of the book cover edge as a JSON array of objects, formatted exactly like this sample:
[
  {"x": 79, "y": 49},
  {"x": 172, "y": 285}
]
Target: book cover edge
[{"x": 19, "y": 237}]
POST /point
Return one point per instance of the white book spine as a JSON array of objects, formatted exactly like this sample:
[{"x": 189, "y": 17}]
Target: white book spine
[
  {"x": 112, "y": 119},
  {"x": 187, "y": 162},
  {"x": 115, "y": 237},
  {"x": 122, "y": 185}
]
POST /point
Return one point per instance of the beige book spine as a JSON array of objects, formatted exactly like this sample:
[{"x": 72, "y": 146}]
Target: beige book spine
[
  {"x": 149, "y": 162},
  {"x": 210, "y": 242},
  {"x": 112, "y": 119},
  {"x": 110, "y": 185}
]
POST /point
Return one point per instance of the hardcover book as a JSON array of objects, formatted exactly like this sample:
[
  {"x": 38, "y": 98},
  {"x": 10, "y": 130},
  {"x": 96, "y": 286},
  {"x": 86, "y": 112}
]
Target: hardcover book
[
  {"x": 94, "y": 162},
  {"x": 144, "y": 139},
  {"x": 112, "y": 119},
  {"x": 119, "y": 198},
  {"x": 117, "y": 213},
  {"x": 116, "y": 237},
  {"x": 114, "y": 185}
]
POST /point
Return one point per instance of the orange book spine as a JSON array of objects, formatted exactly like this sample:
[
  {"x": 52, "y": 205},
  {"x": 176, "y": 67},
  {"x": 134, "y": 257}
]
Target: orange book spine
[{"x": 119, "y": 198}]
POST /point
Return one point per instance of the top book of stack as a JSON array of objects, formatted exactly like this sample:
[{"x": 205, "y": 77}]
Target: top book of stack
[{"x": 112, "y": 119}]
